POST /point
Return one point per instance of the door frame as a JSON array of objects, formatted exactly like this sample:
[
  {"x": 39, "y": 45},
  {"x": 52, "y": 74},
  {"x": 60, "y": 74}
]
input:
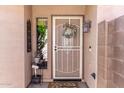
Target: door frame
[{"x": 81, "y": 17}]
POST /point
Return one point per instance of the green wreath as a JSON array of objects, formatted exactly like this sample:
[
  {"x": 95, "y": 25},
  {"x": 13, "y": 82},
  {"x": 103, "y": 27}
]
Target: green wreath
[{"x": 69, "y": 30}]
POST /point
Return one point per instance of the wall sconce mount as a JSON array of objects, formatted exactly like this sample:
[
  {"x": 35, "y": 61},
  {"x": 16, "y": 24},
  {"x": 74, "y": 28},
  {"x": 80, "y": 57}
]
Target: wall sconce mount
[{"x": 87, "y": 26}]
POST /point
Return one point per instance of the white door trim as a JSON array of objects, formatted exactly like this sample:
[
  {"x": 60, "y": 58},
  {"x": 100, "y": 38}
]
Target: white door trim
[{"x": 81, "y": 44}]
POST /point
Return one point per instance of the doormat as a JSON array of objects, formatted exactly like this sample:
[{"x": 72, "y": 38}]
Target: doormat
[{"x": 63, "y": 84}]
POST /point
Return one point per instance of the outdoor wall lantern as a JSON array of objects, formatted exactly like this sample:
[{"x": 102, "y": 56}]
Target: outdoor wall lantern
[{"x": 87, "y": 26}]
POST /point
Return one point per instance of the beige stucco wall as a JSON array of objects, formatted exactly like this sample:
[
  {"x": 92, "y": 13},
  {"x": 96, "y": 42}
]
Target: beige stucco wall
[
  {"x": 47, "y": 11},
  {"x": 15, "y": 66},
  {"x": 11, "y": 46},
  {"x": 109, "y": 12},
  {"x": 90, "y": 39},
  {"x": 28, "y": 56}
]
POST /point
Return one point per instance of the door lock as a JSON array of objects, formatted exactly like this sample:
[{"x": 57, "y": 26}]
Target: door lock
[{"x": 55, "y": 48}]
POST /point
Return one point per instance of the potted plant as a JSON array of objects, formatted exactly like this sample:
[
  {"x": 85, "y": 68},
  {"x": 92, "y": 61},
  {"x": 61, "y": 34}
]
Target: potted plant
[
  {"x": 41, "y": 41},
  {"x": 36, "y": 78}
]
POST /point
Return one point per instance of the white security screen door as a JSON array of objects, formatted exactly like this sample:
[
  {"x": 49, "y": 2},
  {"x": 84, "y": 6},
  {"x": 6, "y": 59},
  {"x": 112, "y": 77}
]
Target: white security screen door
[{"x": 67, "y": 47}]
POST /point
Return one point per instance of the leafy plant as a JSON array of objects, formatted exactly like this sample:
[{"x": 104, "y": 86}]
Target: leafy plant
[{"x": 41, "y": 34}]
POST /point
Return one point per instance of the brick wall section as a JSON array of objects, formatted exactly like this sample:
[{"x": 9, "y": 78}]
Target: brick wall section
[
  {"x": 116, "y": 53},
  {"x": 102, "y": 66}
]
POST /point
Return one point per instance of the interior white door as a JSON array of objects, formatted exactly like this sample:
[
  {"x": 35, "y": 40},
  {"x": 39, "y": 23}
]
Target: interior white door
[{"x": 67, "y": 47}]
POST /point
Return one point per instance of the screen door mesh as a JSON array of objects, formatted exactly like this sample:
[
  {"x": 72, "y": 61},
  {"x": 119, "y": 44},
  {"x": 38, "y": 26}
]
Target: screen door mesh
[{"x": 67, "y": 53}]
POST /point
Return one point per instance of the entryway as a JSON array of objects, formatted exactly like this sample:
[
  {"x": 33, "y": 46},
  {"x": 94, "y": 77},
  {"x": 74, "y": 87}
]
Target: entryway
[{"x": 67, "y": 47}]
